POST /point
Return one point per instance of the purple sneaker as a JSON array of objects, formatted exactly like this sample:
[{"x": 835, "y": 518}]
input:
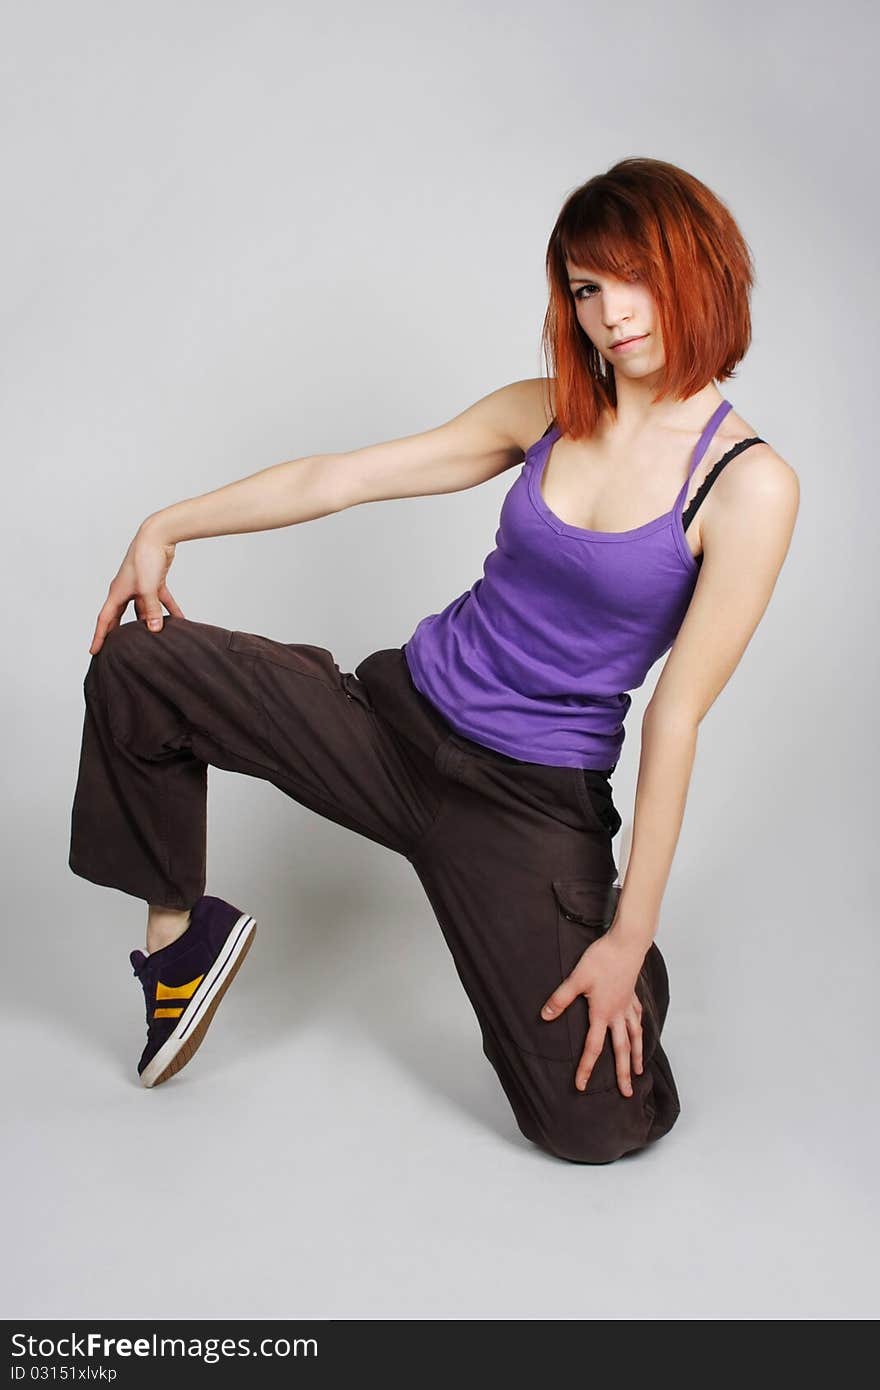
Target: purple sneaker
[{"x": 185, "y": 981}]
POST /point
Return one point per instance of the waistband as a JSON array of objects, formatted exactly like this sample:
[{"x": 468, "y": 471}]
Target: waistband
[{"x": 386, "y": 675}]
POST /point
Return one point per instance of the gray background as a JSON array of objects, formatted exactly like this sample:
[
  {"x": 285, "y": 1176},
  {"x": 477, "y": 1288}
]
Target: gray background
[{"x": 237, "y": 234}]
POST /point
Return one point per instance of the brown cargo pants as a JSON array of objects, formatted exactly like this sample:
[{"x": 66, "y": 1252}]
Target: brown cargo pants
[{"x": 515, "y": 857}]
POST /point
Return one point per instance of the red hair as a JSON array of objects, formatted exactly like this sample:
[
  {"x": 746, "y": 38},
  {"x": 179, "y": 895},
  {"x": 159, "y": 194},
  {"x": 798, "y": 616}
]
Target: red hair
[{"x": 654, "y": 220}]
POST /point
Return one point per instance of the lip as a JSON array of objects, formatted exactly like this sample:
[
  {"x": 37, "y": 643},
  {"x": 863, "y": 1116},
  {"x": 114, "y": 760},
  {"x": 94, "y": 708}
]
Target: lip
[{"x": 628, "y": 343}]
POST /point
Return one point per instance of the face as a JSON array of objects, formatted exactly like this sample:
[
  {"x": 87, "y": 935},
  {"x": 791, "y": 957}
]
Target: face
[{"x": 611, "y": 310}]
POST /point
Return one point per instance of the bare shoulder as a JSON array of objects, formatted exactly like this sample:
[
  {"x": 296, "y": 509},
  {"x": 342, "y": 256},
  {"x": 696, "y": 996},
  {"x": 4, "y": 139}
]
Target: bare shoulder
[
  {"x": 480, "y": 442},
  {"x": 761, "y": 476},
  {"x": 519, "y": 412},
  {"x": 538, "y": 406},
  {"x": 756, "y": 498},
  {"x": 761, "y": 463}
]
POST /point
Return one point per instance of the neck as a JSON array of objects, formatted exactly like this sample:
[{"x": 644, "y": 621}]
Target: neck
[{"x": 637, "y": 411}]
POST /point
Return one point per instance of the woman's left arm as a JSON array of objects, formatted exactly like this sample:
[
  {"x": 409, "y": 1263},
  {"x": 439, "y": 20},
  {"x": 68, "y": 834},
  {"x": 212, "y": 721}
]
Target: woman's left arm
[{"x": 745, "y": 538}]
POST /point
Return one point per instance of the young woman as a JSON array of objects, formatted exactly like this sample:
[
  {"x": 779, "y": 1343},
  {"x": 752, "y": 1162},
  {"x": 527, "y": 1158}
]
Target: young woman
[{"x": 647, "y": 515}]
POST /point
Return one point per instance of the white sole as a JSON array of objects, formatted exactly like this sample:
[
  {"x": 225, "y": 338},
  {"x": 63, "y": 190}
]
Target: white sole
[{"x": 193, "y": 1022}]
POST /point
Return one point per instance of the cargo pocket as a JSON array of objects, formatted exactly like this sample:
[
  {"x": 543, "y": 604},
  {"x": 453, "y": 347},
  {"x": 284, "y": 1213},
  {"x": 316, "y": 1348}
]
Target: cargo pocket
[
  {"x": 317, "y": 663},
  {"x": 586, "y": 909}
]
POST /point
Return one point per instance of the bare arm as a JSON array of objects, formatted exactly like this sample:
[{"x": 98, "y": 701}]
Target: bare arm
[
  {"x": 484, "y": 440},
  {"x": 746, "y": 536}
]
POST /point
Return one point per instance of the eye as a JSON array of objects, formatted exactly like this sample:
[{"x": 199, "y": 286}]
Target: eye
[{"x": 580, "y": 291}]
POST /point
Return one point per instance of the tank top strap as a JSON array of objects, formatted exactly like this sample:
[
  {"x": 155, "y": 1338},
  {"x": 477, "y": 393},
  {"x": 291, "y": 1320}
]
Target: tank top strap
[
  {"x": 703, "y": 443},
  {"x": 700, "y": 495}
]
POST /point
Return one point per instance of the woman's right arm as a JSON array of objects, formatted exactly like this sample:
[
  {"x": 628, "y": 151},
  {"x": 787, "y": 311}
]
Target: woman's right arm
[
  {"x": 484, "y": 440},
  {"x": 469, "y": 449}
]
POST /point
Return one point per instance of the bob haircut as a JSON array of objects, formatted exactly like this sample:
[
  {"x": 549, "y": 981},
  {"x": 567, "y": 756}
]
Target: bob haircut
[{"x": 648, "y": 219}]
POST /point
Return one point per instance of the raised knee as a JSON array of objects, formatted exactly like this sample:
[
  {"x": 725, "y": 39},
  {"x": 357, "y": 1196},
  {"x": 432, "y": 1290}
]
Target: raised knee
[
  {"x": 124, "y": 635},
  {"x": 125, "y": 654},
  {"x": 134, "y": 641}
]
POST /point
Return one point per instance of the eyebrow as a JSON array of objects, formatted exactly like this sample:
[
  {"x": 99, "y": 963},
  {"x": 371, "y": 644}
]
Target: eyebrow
[{"x": 581, "y": 280}]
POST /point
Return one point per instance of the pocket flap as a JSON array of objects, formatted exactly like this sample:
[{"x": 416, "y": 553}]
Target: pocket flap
[
  {"x": 303, "y": 657},
  {"x": 587, "y": 900}
]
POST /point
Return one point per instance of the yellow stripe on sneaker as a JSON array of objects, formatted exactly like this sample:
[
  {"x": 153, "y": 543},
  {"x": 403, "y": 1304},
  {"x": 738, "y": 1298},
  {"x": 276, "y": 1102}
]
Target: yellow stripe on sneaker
[
  {"x": 178, "y": 991},
  {"x": 167, "y": 1013}
]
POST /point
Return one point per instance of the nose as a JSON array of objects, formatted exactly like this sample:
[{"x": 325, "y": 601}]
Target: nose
[{"x": 615, "y": 308}]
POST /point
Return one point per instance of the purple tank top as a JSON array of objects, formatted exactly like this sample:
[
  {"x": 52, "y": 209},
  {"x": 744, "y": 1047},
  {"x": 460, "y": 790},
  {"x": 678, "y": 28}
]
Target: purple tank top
[{"x": 536, "y": 659}]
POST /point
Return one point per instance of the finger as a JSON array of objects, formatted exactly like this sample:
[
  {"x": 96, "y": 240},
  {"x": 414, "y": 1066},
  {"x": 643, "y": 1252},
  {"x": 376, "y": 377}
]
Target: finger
[
  {"x": 151, "y": 611},
  {"x": 108, "y": 617},
  {"x": 620, "y": 1039},
  {"x": 592, "y": 1050},
  {"x": 635, "y": 1041},
  {"x": 561, "y": 998},
  {"x": 170, "y": 602}
]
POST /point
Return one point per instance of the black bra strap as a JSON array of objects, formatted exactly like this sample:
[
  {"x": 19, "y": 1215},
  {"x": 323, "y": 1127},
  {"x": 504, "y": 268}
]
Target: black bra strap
[
  {"x": 551, "y": 426},
  {"x": 700, "y": 494}
]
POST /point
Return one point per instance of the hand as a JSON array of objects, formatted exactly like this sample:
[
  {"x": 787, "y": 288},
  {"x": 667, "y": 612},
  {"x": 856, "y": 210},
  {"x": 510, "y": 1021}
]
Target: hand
[
  {"x": 606, "y": 974},
  {"x": 141, "y": 577}
]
